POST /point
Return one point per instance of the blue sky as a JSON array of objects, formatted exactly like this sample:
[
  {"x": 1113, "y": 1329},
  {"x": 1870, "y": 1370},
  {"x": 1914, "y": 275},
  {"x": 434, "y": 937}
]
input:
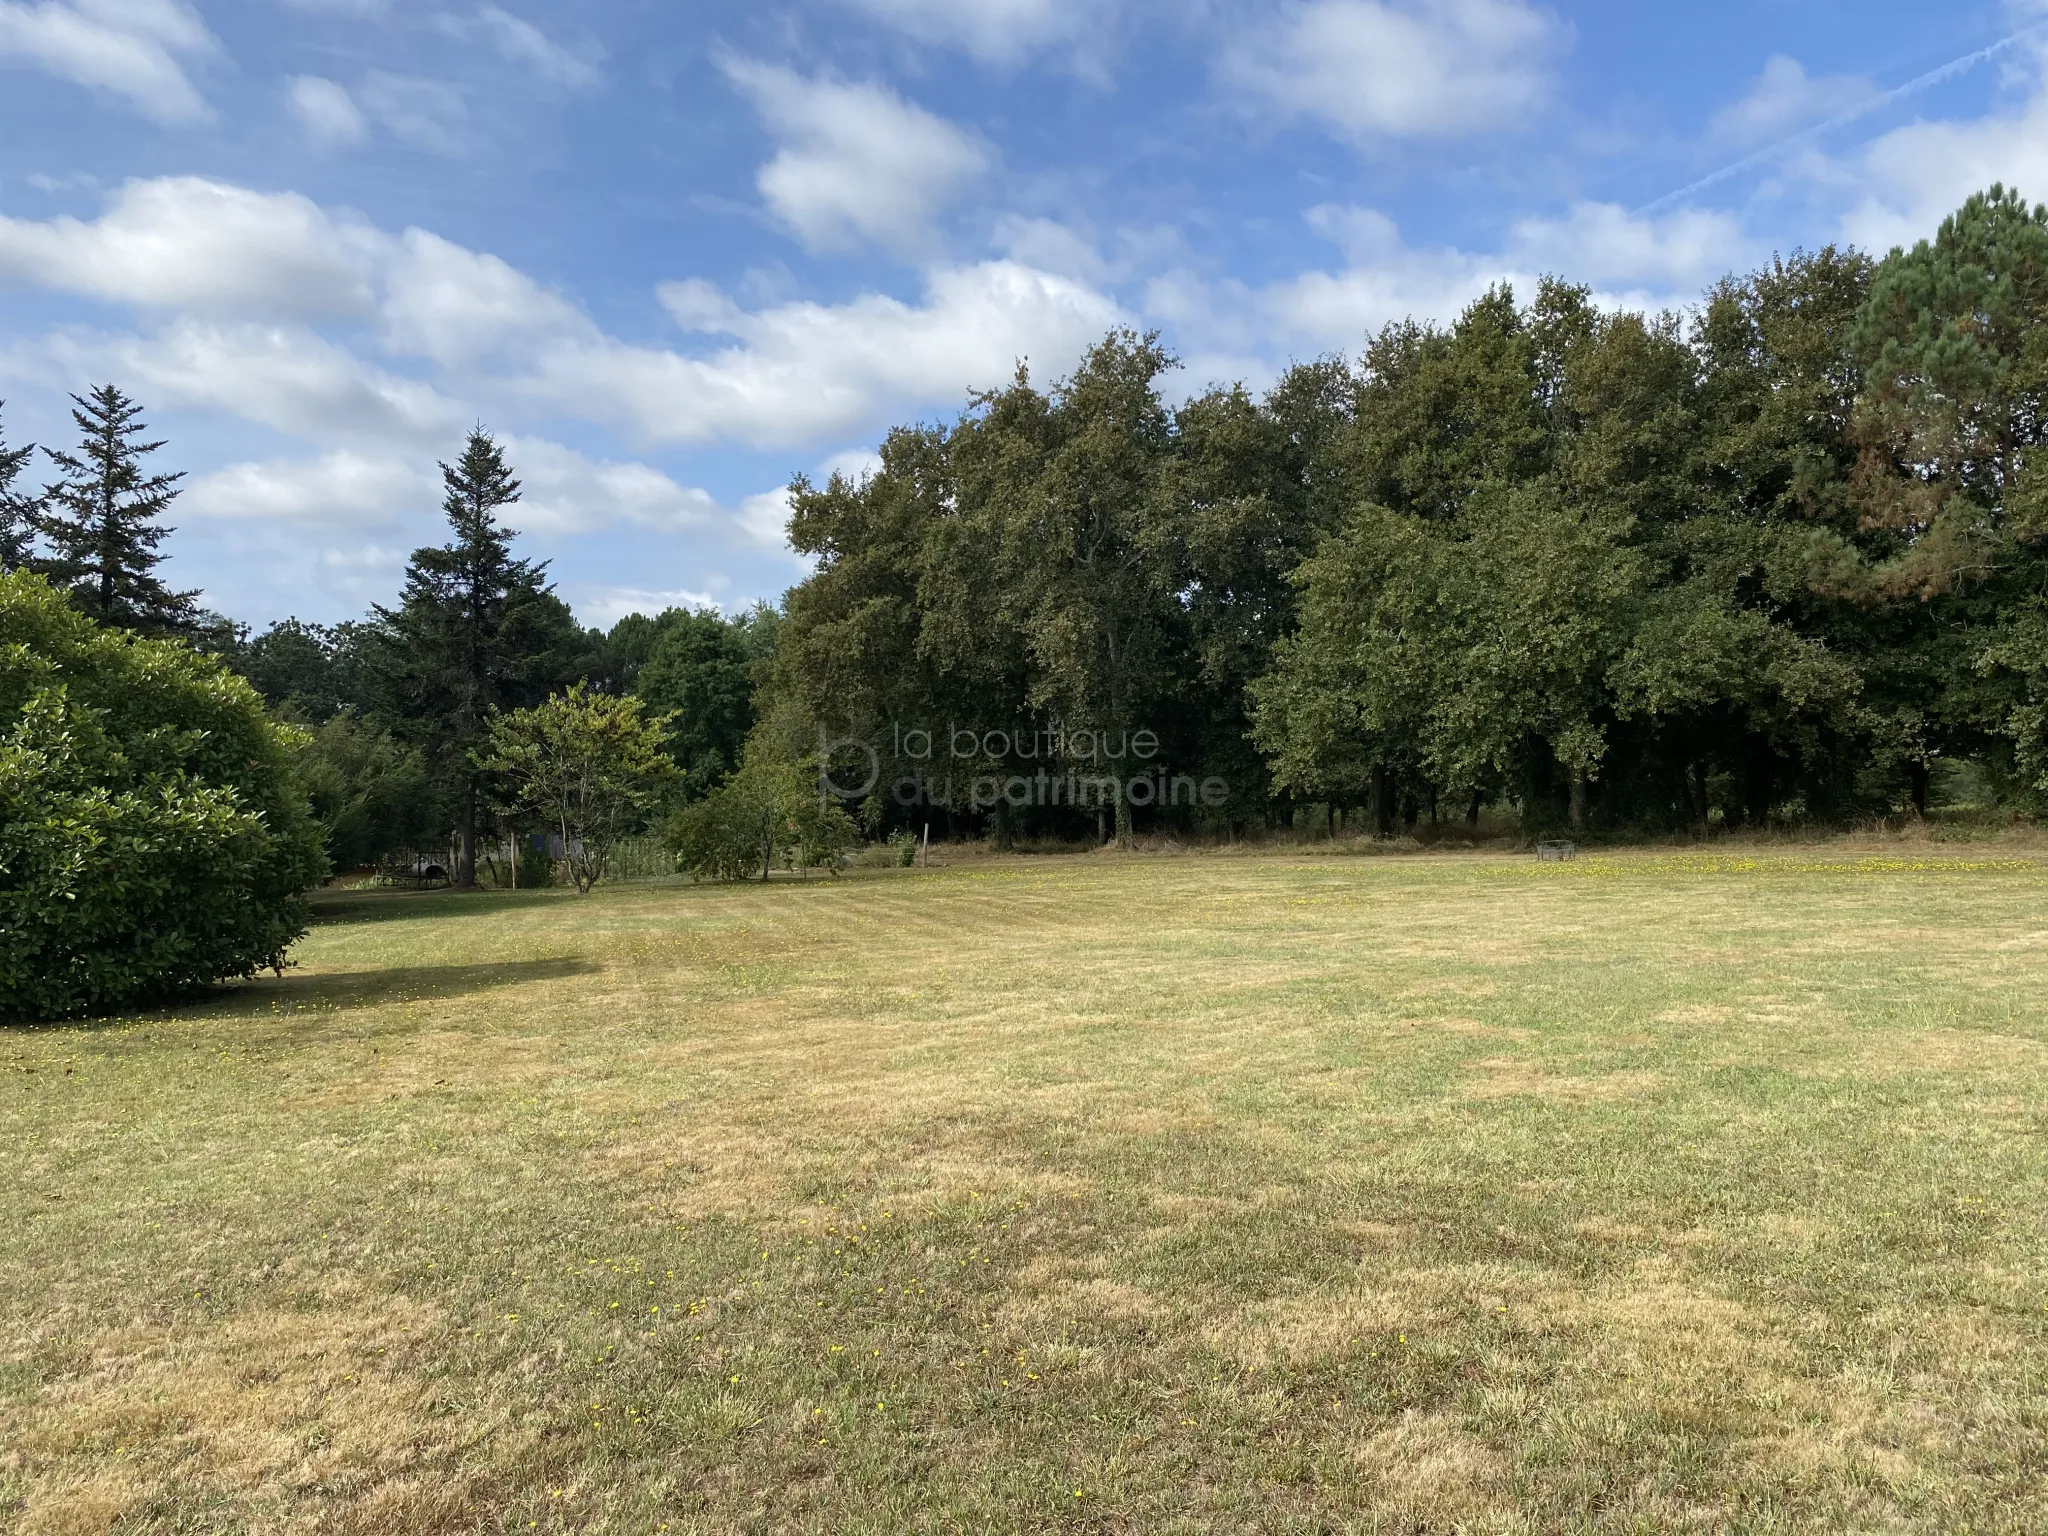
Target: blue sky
[{"x": 674, "y": 253}]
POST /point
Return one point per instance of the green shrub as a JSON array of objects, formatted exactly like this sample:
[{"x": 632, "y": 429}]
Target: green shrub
[
  {"x": 154, "y": 837},
  {"x": 766, "y": 814}
]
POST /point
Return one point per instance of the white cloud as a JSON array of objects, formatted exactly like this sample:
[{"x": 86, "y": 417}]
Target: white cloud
[
  {"x": 524, "y": 43},
  {"x": 131, "y": 48},
  {"x": 190, "y": 244},
  {"x": 1422, "y": 69},
  {"x": 1235, "y": 330},
  {"x": 284, "y": 377},
  {"x": 856, "y": 464},
  {"x": 429, "y": 113},
  {"x": 1051, "y": 247},
  {"x": 802, "y": 371},
  {"x": 765, "y": 517},
  {"x": 1907, "y": 181},
  {"x": 1676, "y": 254},
  {"x": 343, "y": 489},
  {"x": 459, "y": 307},
  {"x": 789, "y": 373},
  {"x": 327, "y": 110},
  {"x": 565, "y": 492},
  {"x": 995, "y": 31},
  {"x": 1786, "y": 99},
  {"x": 857, "y": 161},
  {"x": 605, "y": 606}
]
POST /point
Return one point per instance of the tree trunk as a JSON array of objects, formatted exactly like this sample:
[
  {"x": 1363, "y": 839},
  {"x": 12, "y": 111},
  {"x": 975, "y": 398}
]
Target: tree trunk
[
  {"x": 1382, "y": 802},
  {"x": 1578, "y": 801},
  {"x": 1923, "y": 776},
  {"x": 1472, "y": 816},
  {"x": 1123, "y": 819},
  {"x": 465, "y": 841},
  {"x": 767, "y": 848}
]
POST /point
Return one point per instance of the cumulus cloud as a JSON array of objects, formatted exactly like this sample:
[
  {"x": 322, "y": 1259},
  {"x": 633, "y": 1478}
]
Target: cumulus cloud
[
  {"x": 327, "y": 110},
  {"x": 857, "y": 163},
  {"x": 1674, "y": 255},
  {"x": 798, "y": 372},
  {"x": 565, "y": 492},
  {"x": 1786, "y": 99},
  {"x": 216, "y": 256},
  {"x": 1908, "y": 180},
  {"x": 285, "y": 377},
  {"x": 1234, "y": 329},
  {"x": 191, "y": 244},
  {"x": 134, "y": 49},
  {"x": 342, "y": 489},
  {"x": 459, "y": 307},
  {"x": 1373, "y": 69}
]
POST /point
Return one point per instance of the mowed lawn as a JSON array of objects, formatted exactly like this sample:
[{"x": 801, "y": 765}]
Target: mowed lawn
[{"x": 1649, "y": 1193}]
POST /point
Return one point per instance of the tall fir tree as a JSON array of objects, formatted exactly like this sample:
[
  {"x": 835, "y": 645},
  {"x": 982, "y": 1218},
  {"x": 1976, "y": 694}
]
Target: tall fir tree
[
  {"x": 101, "y": 520},
  {"x": 476, "y": 630},
  {"x": 18, "y": 510}
]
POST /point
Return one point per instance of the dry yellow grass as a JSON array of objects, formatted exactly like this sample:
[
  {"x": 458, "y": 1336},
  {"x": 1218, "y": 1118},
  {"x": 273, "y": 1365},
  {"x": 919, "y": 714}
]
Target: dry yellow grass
[{"x": 1649, "y": 1193}]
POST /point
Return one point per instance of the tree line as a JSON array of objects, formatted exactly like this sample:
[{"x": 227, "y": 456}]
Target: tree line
[
  {"x": 1779, "y": 559},
  {"x": 1782, "y": 559},
  {"x": 397, "y": 710}
]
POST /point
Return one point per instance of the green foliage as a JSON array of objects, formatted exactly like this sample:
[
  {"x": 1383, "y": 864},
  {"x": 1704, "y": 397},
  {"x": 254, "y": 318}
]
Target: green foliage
[
  {"x": 588, "y": 765},
  {"x": 19, "y": 512},
  {"x": 371, "y": 794},
  {"x": 769, "y": 813},
  {"x": 153, "y": 834},
  {"x": 476, "y": 630},
  {"x": 101, "y": 520},
  {"x": 699, "y": 670}
]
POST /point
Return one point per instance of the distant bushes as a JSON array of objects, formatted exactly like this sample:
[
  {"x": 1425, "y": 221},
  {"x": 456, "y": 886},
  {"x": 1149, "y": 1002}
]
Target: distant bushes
[{"x": 154, "y": 837}]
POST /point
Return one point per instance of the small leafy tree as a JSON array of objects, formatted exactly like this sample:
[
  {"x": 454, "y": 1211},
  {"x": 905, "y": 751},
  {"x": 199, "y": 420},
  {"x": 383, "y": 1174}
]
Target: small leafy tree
[
  {"x": 154, "y": 837},
  {"x": 590, "y": 764},
  {"x": 101, "y": 520},
  {"x": 768, "y": 813}
]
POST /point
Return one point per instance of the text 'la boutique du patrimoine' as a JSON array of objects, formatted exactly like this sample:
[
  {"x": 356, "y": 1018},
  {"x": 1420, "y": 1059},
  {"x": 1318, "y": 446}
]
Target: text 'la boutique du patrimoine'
[{"x": 1079, "y": 782}]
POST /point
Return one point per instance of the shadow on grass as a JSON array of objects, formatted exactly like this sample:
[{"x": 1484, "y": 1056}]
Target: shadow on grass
[
  {"x": 338, "y": 907},
  {"x": 399, "y": 984},
  {"x": 333, "y": 991}
]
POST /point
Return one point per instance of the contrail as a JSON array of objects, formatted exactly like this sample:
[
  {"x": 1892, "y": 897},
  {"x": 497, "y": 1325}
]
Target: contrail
[{"x": 1932, "y": 78}]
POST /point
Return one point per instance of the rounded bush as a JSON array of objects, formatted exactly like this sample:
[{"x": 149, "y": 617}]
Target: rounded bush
[{"x": 154, "y": 838}]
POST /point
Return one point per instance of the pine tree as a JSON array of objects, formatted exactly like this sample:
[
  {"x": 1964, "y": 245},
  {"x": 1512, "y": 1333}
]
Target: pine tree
[
  {"x": 476, "y": 630},
  {"x": 101, "y": 520},
  {"x": 17, "y": 511}
]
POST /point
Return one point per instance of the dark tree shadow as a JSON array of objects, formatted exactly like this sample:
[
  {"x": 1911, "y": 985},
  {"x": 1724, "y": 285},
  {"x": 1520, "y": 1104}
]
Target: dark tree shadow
[
  {"x": 398, "y": 984},
  {"x": 333, "y": 908},
  {"x": 335, "y": 991}
]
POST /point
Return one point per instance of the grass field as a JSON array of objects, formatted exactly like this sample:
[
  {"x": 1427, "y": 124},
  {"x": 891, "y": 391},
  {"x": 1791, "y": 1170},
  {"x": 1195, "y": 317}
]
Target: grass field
[{"x": 1652, "y": 1193}]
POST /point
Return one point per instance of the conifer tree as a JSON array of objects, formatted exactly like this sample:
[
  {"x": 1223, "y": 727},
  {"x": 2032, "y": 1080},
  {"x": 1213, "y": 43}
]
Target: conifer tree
[
  {"x": 101, "y": 524},
  {"x": 476, "y": 630},
  {"x": 17, "y": 510}
]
